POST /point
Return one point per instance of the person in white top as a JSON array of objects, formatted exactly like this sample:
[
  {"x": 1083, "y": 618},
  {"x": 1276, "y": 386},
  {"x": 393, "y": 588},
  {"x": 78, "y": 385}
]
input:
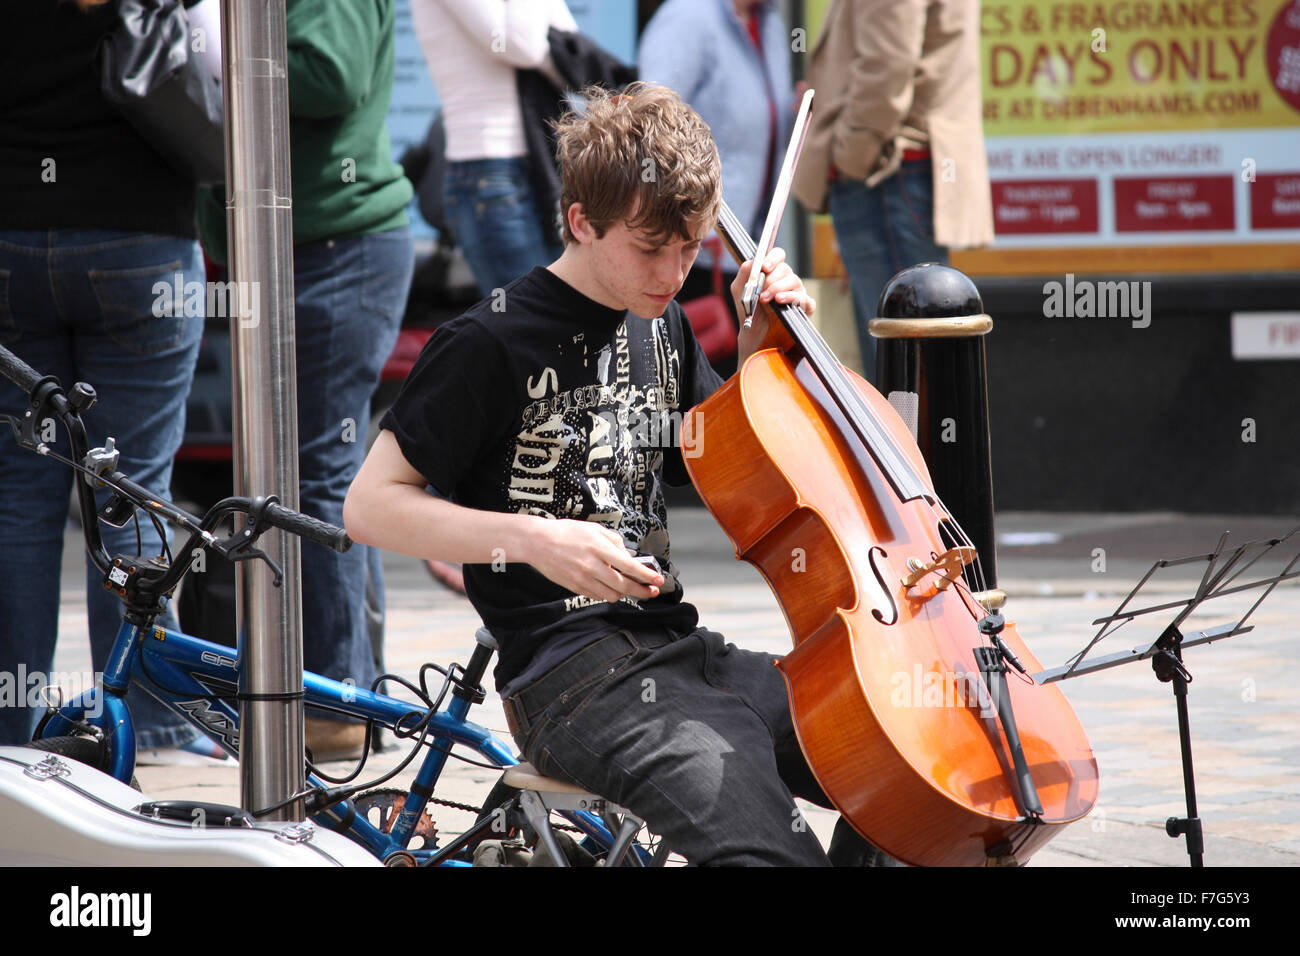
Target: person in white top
[{"x": 473, "y": 48}]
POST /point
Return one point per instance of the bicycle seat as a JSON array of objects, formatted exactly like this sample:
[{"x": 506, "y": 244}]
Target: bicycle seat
[
  {"x": 524, "y": 776},
  {"x": 539, "y": 795}
]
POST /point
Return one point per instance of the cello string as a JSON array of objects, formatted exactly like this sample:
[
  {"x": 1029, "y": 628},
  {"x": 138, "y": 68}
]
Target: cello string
[
  {"x": 1023, "y": 678},
  {"x": 959, "y": 535},
  {"x": 897, "y": 460},
  {"x": 859, "y": 413}
]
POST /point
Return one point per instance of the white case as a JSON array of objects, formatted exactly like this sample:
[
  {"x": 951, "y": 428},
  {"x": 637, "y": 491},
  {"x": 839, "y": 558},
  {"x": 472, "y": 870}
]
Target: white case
[{"x": 56, "y": 812}]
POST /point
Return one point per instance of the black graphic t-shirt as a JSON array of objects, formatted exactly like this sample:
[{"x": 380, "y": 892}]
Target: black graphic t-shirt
[{"x": 541, "y": 401}]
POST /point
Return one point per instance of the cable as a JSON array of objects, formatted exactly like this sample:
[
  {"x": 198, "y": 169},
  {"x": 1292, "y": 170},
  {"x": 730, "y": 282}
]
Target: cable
[
  {"x": 104, "y": 479},
  {"x": 300, "y": 795},
  {"x": 344, "y": 793},
  {"x": 475, "y": 763},
  {"x": 399, "y": 729},
  {"x": 356, "y": 772}
]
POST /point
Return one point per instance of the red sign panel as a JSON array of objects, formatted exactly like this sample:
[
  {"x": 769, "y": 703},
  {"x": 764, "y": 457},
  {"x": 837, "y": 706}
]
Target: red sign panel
[
  {"x": 1044, "y": 206},
  {"x": 1173, "y": 203},
  {"x": 1275, "y": 201}
]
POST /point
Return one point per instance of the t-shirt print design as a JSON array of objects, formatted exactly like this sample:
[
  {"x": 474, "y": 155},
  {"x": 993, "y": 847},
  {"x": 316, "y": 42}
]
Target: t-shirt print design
[{"x": 593, "y": 451}]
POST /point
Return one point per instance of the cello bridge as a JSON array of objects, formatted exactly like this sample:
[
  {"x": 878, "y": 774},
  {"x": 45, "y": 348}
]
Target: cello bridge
[{"x": 946, "y": 567}]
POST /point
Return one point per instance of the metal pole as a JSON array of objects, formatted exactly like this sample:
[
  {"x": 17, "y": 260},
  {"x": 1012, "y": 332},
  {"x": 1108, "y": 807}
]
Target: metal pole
[{"x": 259, "y": 218}]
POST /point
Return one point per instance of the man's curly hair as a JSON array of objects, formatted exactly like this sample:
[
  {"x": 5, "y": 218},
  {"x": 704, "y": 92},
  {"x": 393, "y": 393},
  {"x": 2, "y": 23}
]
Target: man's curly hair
[{"x": 642, "y": 156}]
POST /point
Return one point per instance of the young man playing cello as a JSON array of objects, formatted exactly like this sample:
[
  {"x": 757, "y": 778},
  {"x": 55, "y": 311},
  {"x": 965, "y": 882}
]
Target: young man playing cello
[{"x": 531, "y": 414}]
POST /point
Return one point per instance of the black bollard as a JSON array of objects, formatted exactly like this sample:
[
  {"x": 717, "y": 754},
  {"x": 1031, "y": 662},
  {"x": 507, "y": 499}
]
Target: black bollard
[{"x": 930, "y": 366}]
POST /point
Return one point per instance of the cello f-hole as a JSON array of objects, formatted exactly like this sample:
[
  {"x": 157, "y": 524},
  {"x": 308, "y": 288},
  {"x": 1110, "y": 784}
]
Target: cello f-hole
[{"x": 884, "y": 589}]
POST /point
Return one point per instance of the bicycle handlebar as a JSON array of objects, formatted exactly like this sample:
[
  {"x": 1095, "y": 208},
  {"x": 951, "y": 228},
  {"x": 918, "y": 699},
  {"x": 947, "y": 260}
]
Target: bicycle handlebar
[
  {"x": 270, "y": 512},
  {"x": 18, "y": 371},
  {"x": 313, "y": 529}
]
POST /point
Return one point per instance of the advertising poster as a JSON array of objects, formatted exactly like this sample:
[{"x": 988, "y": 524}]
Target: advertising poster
[{"x": 1170, "y": 126}]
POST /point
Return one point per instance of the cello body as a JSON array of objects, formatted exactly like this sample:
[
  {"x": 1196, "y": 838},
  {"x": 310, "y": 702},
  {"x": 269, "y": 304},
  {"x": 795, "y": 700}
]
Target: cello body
[{"x": 885, "y": 690}]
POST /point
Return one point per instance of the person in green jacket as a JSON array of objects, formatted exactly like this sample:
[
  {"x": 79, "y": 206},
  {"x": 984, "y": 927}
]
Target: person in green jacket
[{"x": 352, "y": 259}]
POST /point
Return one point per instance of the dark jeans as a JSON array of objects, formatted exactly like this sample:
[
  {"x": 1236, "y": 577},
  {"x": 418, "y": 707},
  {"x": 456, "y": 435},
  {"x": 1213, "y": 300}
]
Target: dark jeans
[
  {"x": 493, "y": 210},
  {"x": 349, "y": 296},
  {"x": 693, "y": 736},
  {"x": 95, "y": 306},
  {"x": 881, "y": 231}
]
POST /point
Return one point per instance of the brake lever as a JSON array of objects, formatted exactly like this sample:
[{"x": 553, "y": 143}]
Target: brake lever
[
  {"x": 48, "y": 401},
  {"x": 240, "y": 547},
  {"x": 25, "y": 432}
]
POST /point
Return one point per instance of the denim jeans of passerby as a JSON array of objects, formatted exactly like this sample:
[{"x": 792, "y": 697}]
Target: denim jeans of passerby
[
  {"x": 82, "y": 305},
  {"x": 492, "y": 207},
  {"x": 881, "y": 231},
  {"x": 349, "y": 296},
  {"x": 695, "y": 737}
]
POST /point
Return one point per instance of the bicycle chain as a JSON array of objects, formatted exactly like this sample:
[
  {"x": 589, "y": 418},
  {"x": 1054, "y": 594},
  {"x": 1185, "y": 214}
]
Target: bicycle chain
[
  {"x": 456, "y": 806},
  {"x": 479, "y": 810},
  {"x": 452, "y": 804}
]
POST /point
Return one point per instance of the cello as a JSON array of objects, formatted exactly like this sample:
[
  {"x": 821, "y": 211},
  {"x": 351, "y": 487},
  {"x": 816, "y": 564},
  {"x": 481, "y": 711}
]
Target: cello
[{"x": 821, "y": 486}]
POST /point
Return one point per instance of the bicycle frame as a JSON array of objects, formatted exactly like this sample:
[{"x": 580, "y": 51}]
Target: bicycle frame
[{"x": 191, "y": 671}]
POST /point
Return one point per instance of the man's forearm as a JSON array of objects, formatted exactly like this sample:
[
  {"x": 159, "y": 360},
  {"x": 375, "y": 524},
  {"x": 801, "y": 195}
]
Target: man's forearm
[{"x": 407, "y": 519}]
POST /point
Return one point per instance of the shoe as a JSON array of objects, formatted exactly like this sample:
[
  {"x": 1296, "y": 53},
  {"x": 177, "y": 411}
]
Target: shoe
[
  {"x": 450, "y": 576},
  {"x": 334, "y": 740},
  {"x": 849, "y": 849},
  {"x": 197, "y": 752}
]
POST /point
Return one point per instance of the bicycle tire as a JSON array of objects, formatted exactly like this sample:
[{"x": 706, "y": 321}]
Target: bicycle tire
[
  {"x": 87, "y": 750},
  {"x": 84, "y": 750}
]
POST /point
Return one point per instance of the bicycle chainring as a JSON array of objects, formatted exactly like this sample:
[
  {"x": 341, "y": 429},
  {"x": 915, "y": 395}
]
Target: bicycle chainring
[{"x": 383, "y": 806}]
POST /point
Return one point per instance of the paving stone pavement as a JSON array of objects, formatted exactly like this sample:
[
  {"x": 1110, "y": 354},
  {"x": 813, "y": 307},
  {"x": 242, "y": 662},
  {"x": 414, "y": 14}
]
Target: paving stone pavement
[{"x": 1061, "y": 571}]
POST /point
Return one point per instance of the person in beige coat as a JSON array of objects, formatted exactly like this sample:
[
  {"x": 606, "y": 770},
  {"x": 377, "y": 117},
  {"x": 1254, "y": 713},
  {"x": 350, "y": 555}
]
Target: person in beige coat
[{"x": 896, "y": 147}]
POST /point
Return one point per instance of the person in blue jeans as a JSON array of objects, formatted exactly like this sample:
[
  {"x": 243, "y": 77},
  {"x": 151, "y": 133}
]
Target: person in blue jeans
[
  {"x": 93, "y": 224},
  {"x": 349, "y": 297},
  {"x": 353, "y": 258},
  {"x": 896, "y": 144},
  {"x": 493, "y": 211},
  {"x": 79, "y": 304},
  {"x": 881, "y": 231},
  {"x": 473, "y": 49}
]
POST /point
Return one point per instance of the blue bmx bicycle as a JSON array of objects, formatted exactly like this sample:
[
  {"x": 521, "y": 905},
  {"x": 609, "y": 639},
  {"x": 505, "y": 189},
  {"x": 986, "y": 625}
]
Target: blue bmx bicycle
[{"x": 200, "y": 681}]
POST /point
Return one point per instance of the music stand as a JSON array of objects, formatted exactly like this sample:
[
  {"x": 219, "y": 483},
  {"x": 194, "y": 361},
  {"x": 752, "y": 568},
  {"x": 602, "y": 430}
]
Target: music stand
[{"x": 1166, "y": 651}]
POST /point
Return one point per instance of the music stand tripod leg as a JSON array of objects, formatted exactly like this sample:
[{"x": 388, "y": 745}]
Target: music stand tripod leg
[{"x": 1169, "y": 668}]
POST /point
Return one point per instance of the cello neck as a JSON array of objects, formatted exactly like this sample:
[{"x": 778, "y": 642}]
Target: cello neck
[{"x": 906, "y": 483}]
